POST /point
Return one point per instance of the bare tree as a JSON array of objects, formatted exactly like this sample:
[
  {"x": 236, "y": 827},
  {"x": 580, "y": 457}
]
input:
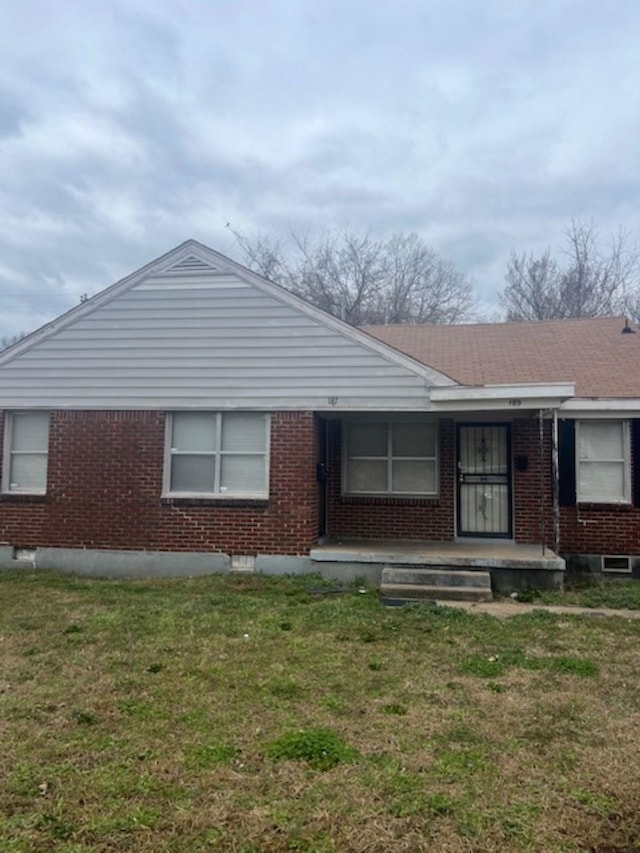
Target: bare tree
[
  {"x": 420, "y": 286},
  {"x": 262, "y": 254},
  {"x": 353, "y": 275},
  {"x": 592, "y": 282},
  {"x": 533, "y": 285}
]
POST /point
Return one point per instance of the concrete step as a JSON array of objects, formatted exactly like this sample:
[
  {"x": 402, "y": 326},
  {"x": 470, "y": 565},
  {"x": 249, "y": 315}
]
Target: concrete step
[
  {"x": 420, "y": 583},
  {"x": 436, "y": 577},
  {"x": 397, "y": 593}
]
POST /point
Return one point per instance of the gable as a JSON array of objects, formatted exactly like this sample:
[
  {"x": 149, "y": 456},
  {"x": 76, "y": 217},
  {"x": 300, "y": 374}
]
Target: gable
[{"x": 196, "y": 330}]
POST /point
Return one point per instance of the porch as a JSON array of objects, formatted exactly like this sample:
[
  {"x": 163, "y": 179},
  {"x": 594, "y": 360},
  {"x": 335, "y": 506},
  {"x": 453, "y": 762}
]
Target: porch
[{"x": 411, "y": 570}]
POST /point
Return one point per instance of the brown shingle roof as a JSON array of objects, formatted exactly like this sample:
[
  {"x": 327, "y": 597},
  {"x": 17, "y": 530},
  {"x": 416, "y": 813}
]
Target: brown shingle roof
[{"x": 593, "y": 353}]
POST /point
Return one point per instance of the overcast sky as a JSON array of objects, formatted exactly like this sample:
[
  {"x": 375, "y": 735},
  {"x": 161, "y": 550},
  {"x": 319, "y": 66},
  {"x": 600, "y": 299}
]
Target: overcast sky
[{"x": 127, "y": 126}]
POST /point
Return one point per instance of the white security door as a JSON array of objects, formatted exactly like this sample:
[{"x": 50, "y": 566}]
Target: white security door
[{"x": 484, "y": 480}]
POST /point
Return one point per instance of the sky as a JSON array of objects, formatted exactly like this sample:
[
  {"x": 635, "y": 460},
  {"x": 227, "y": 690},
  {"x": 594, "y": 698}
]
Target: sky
[{"x": 128, "y": 126}]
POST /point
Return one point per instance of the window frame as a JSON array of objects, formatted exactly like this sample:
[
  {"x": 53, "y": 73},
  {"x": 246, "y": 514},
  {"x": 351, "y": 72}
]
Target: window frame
[
  {"x": 625, "y": 461},
  {"x": 389, "y": 423},
  {"x": 218, "y": 453},
  {"x": 8, "y": 453}
]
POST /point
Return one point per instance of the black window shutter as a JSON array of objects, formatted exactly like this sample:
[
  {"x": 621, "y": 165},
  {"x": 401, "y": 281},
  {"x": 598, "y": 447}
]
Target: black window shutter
[
  {"x": 635, "y": 459},
  {"x": 567, "y": 462}
]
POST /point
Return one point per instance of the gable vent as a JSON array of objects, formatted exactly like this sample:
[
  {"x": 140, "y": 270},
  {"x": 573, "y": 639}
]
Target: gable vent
[{"x": 190, "y": 264}]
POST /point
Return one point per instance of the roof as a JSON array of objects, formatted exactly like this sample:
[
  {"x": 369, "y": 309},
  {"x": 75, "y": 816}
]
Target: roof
[{"x": 592, "y": 353}]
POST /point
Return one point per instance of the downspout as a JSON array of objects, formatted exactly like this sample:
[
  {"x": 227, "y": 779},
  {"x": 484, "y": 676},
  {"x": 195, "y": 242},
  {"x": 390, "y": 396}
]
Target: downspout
[
  {"x": 541, "y": 468},
  {"x": 555, "y": 467}
]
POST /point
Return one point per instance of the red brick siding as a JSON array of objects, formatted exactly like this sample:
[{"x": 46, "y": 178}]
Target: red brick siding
[
  {"x": 434, "y": 519},
  {"x": 393, "y": 518},
  {"x": 606, "y": 529},
  {"x": 533, "y": 504},
  {"x": 105, "y": 485},
  {"x": 584, "y": 529},
  {"x": 22, "y": 520},
  {"x": 601, "y": 528}
]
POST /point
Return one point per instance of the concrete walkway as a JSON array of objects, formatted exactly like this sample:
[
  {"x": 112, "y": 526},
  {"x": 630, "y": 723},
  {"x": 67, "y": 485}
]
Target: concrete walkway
[{"x": 506, "y": 608}]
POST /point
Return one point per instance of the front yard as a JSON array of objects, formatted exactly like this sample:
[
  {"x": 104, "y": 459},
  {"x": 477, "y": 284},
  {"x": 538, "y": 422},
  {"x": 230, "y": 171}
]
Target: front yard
[{"x": 254, "y": 714}]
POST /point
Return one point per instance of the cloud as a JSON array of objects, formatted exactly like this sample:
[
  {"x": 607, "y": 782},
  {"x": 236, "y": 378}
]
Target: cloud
[{"x": 126, "y": 128}]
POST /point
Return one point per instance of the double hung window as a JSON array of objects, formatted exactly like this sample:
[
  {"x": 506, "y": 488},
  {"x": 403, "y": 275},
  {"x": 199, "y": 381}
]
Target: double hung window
[
  {"x": 26, "y": 450},
  {"x": 217, "y": 454},
  {"x": 602, "y": 457},
  {"x": 390, "y": 458}
]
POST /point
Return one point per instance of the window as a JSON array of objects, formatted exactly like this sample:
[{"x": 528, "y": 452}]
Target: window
[
  {"x": 602, "y": 450},
  {"x": 25, "y": 453},
  {"x": 215, "y": 454},
  {"x": 390, "y": 458}
]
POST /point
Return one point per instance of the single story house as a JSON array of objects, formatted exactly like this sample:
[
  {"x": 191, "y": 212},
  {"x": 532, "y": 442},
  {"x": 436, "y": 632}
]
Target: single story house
[{"x": 195, "y": 417}]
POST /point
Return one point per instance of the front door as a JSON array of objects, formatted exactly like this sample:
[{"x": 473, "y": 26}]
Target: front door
[{"x": 484, "y": 480}]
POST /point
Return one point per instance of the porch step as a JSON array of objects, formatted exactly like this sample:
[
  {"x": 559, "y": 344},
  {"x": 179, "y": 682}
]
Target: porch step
[
  {"x": 430, "y": 576},
  {"x": 401, "y": 584}
]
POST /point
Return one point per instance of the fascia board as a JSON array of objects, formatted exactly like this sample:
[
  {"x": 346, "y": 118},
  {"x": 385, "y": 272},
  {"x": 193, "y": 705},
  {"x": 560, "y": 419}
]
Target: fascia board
[
  {"x": 601, "y": 407},
  {"x": 529, "y": 391}
]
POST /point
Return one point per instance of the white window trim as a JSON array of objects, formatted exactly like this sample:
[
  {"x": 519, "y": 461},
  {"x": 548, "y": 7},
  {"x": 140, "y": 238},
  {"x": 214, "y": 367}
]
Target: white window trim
[
  {"x": 625, "y": 461},
  {"x": 390, "y": 422},
  {"x": 8, "y": 452},
  {"x": 216, "y": 495}
]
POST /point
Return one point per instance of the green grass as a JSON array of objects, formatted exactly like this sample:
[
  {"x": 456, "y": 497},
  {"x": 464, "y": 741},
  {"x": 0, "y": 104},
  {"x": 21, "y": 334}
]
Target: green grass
[
  {"x": 256, "y": 714},
  {"x": 616, "y": 594},
  {"x": 321, "y": 749}
]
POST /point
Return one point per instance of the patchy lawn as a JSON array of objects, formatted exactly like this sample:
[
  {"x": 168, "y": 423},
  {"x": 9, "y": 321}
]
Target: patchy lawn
[
  {"x": 619, "y": 594},
  {"x": 254, "y": 714}
]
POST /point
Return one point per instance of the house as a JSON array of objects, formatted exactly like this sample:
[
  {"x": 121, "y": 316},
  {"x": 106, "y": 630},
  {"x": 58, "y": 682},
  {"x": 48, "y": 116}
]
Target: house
[{"x": 195, "y": 417}]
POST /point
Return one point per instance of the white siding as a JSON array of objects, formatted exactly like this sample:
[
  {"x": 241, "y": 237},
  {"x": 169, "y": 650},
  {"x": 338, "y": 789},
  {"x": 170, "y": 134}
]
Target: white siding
[{"x": 198, "y": 337}]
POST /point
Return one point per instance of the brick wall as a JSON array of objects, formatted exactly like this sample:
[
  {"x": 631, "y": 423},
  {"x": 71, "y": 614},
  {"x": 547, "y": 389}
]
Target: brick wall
[
  {"x": 434, "y": 519},
  {"x": 601, "y": 528},
  {"x": 533, "y": 487},
  {"x": 593, "y": 529},
  {"x": 584, "y": 529},
  {"x": 105, "y": 483},
  {"x": 393, "y": 518}
]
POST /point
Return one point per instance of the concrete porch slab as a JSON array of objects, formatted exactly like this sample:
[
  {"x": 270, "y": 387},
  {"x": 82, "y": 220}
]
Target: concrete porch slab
[{"x": 465, "y": 555}]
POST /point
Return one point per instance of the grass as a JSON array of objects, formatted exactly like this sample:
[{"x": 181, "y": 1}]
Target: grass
[
  {"x": 254, "y": 714},
  {"x": 616, "y": 594}
]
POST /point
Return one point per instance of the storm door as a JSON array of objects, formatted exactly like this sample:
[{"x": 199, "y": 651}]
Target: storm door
[{"x": 484, "y": 480}]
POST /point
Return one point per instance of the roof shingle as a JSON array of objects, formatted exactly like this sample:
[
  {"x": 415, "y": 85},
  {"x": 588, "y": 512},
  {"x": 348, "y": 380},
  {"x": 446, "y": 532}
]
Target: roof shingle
[{"x": 592, "y": 352}]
